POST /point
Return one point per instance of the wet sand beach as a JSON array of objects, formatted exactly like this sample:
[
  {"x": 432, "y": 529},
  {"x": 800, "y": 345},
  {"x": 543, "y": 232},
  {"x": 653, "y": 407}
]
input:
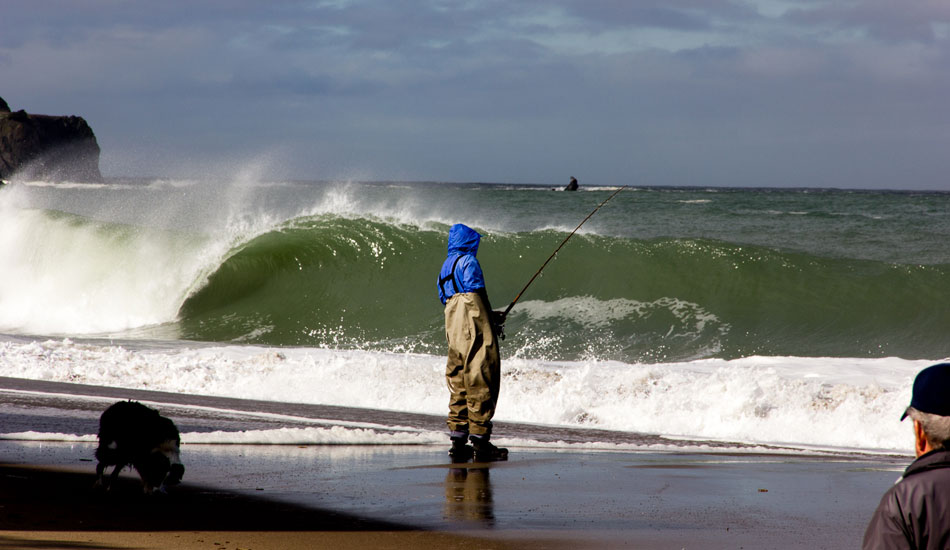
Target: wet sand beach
[{"x": 385, "y": 496}]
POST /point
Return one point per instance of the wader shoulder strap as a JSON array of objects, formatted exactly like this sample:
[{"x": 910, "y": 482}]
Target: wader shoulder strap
[{"x": 451, "y": 277}]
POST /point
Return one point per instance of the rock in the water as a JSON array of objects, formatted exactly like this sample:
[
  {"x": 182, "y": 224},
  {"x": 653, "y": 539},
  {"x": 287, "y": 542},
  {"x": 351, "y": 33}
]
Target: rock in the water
[{"x": 48, "y": 148}]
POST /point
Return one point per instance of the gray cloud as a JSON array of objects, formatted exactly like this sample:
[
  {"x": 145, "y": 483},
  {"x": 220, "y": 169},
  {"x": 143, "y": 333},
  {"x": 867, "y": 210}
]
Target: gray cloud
[
  {"x": 890, "y": 22},
  {"x": 689, "y": 92}
]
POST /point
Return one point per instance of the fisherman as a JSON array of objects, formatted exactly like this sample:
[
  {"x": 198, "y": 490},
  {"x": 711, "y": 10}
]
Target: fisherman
[
  {"x": 473, "y": 369},
  {"x": 915, "y": 512},
  {"x": 572, "y": 186}
]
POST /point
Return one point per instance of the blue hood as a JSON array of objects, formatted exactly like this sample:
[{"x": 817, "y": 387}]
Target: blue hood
[
  {"x": 463, "y": 240},
  {"x": 460, "y": 272}
]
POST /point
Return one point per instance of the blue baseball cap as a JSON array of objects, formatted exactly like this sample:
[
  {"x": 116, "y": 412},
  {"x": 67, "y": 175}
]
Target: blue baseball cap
[{"x": 932, "y": 390}]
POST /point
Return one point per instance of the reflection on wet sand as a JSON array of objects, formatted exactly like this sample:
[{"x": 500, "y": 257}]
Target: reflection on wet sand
[{"x": 468, "y": 496}]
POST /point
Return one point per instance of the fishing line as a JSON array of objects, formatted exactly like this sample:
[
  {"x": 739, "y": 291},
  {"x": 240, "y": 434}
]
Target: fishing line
[{"x": 551, "y": 257}]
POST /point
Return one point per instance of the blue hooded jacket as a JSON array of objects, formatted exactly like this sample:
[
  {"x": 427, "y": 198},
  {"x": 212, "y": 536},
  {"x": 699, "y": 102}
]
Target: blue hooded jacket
[{"x": 467, "y": 274}]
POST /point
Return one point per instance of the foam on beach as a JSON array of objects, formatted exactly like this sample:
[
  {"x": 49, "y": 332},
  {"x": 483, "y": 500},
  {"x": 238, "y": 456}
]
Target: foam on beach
[{"x": 836, "y": 403}]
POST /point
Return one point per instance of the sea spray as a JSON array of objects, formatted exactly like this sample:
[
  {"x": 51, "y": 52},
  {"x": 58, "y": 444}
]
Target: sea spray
[
  {"x": 116, "y": 258},
  {"x": 69, "y": 275}
]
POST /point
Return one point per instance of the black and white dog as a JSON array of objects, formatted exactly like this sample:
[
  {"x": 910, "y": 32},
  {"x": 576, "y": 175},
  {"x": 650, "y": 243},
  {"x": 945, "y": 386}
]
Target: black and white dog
[{"x": 131, "y": 434}]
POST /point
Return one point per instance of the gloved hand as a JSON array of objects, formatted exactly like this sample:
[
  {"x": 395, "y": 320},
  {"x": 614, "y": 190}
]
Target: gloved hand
[{"x": 498, "y": 318}]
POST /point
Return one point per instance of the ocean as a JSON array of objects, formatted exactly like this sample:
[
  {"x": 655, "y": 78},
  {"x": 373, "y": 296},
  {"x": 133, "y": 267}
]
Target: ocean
[{"x": 794, "y": 317}]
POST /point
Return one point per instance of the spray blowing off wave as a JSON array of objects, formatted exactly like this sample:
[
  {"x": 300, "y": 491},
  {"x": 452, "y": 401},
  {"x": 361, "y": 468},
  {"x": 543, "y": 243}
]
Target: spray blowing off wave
[
  {"x": 123, "y": 257},
  {"x": 70, "y": 275}
]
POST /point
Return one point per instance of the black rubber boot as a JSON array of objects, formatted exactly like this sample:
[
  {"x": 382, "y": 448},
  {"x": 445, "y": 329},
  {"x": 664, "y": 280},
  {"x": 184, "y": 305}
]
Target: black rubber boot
[
  {"x": 486, "y": 452},
  {"x": 460, "y": 452}
]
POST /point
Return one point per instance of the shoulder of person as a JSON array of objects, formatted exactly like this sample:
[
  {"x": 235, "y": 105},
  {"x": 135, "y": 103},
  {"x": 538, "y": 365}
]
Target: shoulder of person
[
  {"x": 936, "y": 462},
  {"x": 468, "y": 259}
]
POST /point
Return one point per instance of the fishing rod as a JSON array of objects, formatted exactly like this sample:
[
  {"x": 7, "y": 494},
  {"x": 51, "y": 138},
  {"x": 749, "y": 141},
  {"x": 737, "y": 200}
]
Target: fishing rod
[{"x": 551, "y": 257}]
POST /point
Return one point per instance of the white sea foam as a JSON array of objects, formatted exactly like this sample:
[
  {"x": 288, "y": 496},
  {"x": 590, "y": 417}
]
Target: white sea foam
[
  {"x": 592, "y": 312},
  {"x": 336, "y": 435},
  {"x": 63, "y": 277},
  {"x": 822, "y": 402},
  {"x": 97, "y": 272}
]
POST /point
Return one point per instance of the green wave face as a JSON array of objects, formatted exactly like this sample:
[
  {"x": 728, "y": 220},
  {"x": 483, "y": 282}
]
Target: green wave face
[
  {"x": 369, "y": 284},
  {"x": 322, "y": 281}
]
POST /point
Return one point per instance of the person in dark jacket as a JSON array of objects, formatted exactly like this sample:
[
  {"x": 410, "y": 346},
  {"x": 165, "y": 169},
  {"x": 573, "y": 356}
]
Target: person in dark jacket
[
  {"x": 915, "y": 512},
  {"x": 473, "y": 369}
]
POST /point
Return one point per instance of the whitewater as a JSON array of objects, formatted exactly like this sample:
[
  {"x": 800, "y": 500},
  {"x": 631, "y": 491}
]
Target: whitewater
[
  {"x": 748, "y": 316},
  {"x": 807, "y": 402}
]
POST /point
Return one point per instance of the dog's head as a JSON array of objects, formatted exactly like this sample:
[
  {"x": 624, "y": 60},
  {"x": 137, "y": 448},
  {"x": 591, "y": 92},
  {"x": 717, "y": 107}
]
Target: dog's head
[
  {"x": 161, "y": 467},
  {"x": 175, "y": 473}
]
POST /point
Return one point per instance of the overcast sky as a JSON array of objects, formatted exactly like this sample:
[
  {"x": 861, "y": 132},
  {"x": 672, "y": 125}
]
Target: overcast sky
[{"x": 645, "y": 92}]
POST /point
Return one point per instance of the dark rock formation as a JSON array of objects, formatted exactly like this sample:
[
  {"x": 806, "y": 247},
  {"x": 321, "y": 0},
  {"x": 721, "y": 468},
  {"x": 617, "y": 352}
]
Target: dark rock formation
[
  {"x": 48, "y": 148},
  {"x": 572, "y": 186}
]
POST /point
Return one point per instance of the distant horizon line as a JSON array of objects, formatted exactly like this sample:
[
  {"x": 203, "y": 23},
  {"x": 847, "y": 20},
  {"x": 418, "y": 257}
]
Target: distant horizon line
[
  {"x": 558, "y": 187},
  {"x": 582, "y": 186}
]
